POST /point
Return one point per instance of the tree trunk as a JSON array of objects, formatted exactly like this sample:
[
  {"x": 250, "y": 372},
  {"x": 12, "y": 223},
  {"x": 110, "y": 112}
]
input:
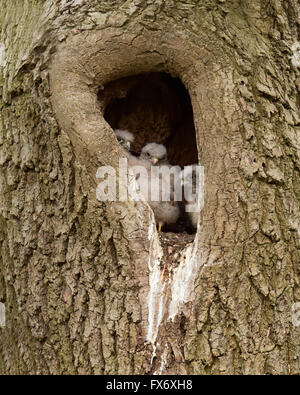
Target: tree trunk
[{"x": 86, "y": 286}]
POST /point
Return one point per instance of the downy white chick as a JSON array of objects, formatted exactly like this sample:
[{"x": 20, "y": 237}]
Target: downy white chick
[
  {"x": 155, "y": 154},
  {"x": 192, "y": 193},
  {"x": 165, "y": 212},
  {"x": 126, "y": 138}
]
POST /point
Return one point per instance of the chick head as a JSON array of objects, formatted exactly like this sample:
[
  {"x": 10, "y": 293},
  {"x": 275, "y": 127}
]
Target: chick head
[
  {"x": 125, "y": 138},
  {"x": 154, "y": 153}
]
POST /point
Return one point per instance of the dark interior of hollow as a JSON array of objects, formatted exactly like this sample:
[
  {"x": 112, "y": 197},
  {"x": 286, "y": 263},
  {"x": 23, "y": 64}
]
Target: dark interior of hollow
[{"x": 155, "y": 107}]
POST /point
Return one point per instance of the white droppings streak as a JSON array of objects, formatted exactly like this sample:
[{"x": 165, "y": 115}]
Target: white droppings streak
[
  {"x": 156, "y": 297},
  {"x": 2, "y": 315},
  {"x": 2, "y": 55},
  {"x": 163, "y": 361},
  {"x": 150, "y": 231},
  {"x": 183, "y": 279},
  {"x": 156, "y": 301},
  {"x": 153, "y": 354}
]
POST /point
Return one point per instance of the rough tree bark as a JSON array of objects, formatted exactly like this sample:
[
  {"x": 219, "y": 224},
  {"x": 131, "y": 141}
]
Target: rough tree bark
[{"x": 85, "y": 285}]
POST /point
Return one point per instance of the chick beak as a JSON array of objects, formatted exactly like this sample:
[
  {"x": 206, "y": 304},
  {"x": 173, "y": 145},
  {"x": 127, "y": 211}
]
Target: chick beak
[
  {"x": 154, "y": 160},
  {"x": 127, "y": 144}
]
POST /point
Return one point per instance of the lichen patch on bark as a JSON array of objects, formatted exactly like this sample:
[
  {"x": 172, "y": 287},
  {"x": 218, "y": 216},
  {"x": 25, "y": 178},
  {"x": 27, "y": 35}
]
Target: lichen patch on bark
[{"x": 2, "y": 55}]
